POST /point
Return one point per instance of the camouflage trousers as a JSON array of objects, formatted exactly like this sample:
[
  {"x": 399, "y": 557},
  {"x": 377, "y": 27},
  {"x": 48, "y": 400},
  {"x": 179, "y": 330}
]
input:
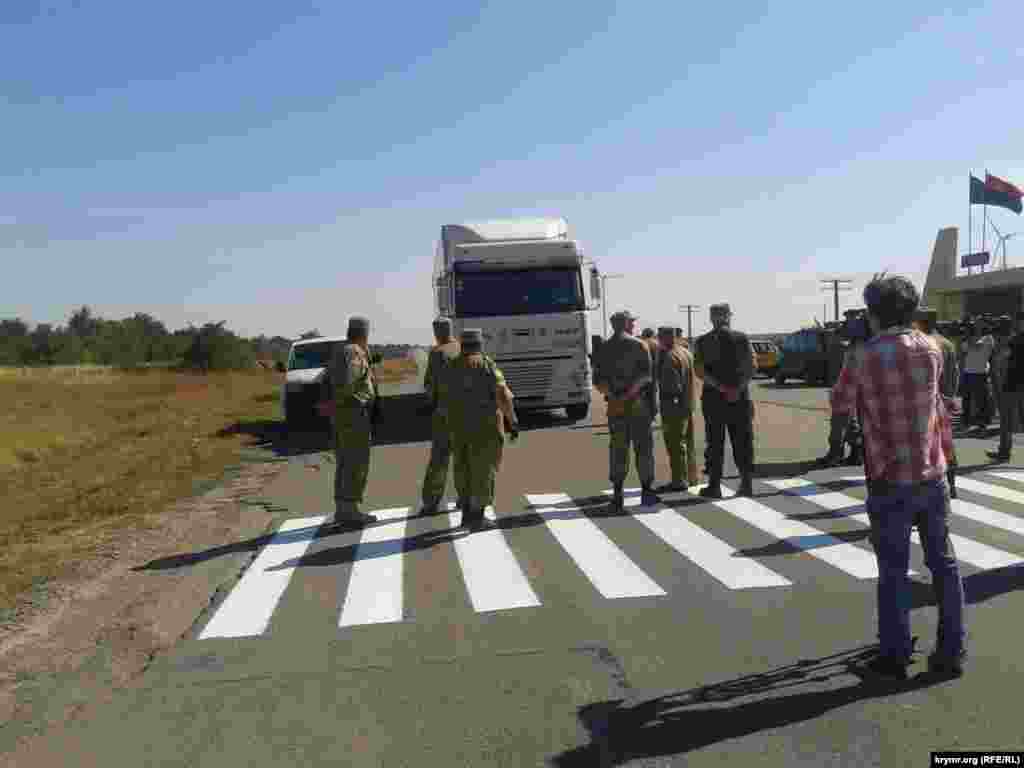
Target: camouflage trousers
[
  {"x": 632, "y": 429},
  {"x": 479, "y": 455},
  {"x": 676, "y": 431},
  {"x": 351, "y": 454},
  {"x": 436, "y": 477}
]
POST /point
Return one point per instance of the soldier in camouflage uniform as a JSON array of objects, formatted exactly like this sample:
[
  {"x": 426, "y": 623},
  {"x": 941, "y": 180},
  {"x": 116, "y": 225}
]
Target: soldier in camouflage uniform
[
  {"x": 625, "y": 377},
  {"x": 479, "y": 404},
  {"x": 676, "y": 398},
  {"x": 435, "y": 383},
  {"x": 349, "y": 392}
]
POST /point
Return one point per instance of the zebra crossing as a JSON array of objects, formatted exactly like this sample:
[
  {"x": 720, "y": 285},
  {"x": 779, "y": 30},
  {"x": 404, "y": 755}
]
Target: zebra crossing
[{"x": 372, "y": 583}]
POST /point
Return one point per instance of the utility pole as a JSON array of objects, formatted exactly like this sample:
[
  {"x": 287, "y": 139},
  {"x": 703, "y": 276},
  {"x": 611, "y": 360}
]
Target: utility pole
[
  {"x": 689, "y": 320},
  {"x": 834, "y": 284},
  {"x": 604, "y": 299}
]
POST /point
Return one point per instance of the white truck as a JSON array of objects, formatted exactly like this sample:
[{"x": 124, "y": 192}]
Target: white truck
[{"x": 524, "y": 283}]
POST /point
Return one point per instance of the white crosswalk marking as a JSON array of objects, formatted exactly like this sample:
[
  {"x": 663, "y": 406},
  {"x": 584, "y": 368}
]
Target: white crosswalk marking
[
  {"x": 969, "y": 551},
  {"x": 374, "y": 593},
  {"x": 848, "y": 558},
  {"x": 607, "y": 567},
  {"x": 976, "y": 512},
  {"x": 492, "y": 574},
  {"x": 247, "y": 609},
  {"x": 697, "y": 545}
]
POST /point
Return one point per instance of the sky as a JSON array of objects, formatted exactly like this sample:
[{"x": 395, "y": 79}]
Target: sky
[{"x": 282, "y": 166}]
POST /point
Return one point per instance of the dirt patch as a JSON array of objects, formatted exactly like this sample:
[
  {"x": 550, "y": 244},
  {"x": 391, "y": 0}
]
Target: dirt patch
[{"x": 101, "y": 626}]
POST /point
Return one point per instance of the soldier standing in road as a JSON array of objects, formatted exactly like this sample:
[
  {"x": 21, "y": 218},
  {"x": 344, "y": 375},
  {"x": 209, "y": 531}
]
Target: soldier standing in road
[
  {"x": 1013, "y": 392},
  {"x": 625, "y": 377},
  {"x": 723, "y": 362},
  {"x": 480, "y": 402},
  {"x": 349, "y": 393},
  {"x": 676, "y": 397},
  {"x": 924, "y": 321},
  {"x": 435, "y": 383}
]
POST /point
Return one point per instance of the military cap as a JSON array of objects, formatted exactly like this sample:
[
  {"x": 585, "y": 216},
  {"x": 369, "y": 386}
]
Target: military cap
[
  {"x": 443, "y": 325},
  {"x": 472, "y": 337},
  {"x": 619, "y": 319},
  {"x": 720, "y": 309},
  {"x": 666, "y": 330},
  {"x": 679, "y": 332},
  {"x": 648, "y": 333},
  {"x": 358, "y": 324}
]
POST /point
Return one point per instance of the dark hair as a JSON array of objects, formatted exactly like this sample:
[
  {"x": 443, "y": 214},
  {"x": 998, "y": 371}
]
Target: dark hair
[{"x": 892, "y": 300}]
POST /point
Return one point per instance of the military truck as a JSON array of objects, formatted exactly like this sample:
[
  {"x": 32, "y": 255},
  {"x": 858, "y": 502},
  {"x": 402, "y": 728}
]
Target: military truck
[{"x": 813, "y": 354}]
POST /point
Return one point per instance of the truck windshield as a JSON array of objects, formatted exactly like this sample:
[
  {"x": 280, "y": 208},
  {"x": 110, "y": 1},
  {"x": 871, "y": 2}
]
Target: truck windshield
[
  {"x": 518, "y": 292},
  {"x": 311, "y": 356}
]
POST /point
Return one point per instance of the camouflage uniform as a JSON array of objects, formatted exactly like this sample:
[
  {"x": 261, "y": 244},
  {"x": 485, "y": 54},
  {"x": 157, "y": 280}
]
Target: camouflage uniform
[
  {"x": 676, "y": 397},
  {"x": 479, "y": 403},
  {"x": 626, "y": 362},
  {"x": 350, "y": 383},
  {"x": 436, "y": 385}
]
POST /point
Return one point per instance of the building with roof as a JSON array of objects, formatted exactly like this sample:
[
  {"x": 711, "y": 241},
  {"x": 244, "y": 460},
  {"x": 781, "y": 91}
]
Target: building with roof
[{"x": 990, "y": 290}]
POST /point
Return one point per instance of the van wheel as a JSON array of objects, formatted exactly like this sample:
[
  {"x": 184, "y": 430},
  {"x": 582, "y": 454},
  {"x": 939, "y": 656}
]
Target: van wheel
[{"x": 577, "y": 411}]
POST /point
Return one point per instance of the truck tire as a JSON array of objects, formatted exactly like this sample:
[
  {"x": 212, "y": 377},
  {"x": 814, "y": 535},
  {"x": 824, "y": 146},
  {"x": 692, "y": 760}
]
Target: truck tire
[
  {"x": 779, "y": 379},
  {"x": 577, "y": 411}
]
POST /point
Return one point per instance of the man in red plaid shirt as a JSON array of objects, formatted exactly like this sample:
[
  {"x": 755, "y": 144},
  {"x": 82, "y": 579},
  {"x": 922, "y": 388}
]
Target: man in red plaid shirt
[{"x": 894, "y": 383}]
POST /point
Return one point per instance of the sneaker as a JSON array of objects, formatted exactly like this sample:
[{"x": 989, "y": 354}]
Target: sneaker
[
  {"x": 648, "y": 498},
  {"x": 886, "y": 668},
  {"x": 947, "y": 666},
  {"x": 711, "y": 492}
]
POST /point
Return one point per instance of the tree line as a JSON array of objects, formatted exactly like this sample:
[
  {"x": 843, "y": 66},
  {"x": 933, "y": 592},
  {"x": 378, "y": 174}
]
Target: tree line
[
  {"x": 142, "y": 340},
  {"x": 135, "y": 341}
]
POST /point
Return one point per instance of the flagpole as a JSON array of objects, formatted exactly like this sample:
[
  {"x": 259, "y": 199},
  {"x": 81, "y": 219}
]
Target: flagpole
[
  {"x": 970, "y": 228},
  {"x": 984, "y": 211}
]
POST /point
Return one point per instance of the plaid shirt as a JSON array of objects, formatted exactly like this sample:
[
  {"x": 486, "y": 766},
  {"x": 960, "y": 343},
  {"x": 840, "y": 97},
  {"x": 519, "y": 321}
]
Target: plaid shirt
[{"x": 893, "y": 382}]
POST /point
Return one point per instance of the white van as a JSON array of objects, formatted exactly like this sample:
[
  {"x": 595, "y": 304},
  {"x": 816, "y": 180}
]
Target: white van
[{"x": 307, "y": 365}]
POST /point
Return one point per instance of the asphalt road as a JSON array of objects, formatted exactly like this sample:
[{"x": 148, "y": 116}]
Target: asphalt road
[{"x": 693, "y": 633}]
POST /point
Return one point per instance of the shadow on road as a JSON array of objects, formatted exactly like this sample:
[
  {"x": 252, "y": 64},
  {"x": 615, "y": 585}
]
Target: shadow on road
[
  {"x": 637, "y": 727},
  {"x": 771, "y": 384}
]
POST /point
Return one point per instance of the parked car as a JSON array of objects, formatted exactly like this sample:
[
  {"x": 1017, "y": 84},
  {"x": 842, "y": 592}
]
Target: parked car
[{"x": 766, "y": 356}]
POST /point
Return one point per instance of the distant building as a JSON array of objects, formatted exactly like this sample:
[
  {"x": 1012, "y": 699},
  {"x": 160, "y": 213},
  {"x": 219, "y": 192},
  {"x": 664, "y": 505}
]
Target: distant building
[{"x": 997, "y": 291}]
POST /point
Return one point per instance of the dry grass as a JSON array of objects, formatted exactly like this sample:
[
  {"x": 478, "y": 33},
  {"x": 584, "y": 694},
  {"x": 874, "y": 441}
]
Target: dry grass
[
  {"x": 84, "y": 453},
  {"x": 85, "y": 450},
  {"x": 395, "y": 370}
]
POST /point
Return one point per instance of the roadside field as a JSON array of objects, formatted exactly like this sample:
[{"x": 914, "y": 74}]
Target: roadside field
[{"x": 88, "y": 450}]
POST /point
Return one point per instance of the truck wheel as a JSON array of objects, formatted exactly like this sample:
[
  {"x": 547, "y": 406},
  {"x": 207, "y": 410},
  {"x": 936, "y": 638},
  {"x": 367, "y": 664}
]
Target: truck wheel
[
  {"x": 577, "y": 411},
  {"x": 779, "y": 379}
]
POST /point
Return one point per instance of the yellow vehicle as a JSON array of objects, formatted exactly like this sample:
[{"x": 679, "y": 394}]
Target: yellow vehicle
[{"x": 766, "y": 356}]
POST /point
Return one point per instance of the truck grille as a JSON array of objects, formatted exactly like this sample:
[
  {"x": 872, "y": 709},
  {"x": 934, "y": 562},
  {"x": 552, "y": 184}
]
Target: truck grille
[{"x": 526, "y": 379}]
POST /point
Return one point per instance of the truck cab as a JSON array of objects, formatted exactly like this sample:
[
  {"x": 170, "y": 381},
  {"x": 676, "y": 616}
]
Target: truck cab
[{"x": 524, "y": 282}]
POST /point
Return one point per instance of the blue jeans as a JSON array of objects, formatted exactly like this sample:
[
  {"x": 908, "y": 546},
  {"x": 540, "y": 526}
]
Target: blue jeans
[{"x": 893, "y": 510}]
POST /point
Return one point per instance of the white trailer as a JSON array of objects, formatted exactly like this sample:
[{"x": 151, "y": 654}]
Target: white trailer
[{"x": 530, "y": 288}]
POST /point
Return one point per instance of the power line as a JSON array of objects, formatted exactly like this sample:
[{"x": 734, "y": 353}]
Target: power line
[{"x": 833, "y": 284}]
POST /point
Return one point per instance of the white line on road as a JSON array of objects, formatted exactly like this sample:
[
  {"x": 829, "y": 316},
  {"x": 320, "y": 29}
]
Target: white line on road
[
  {"x": 607, "y": 567},
  {"x": 697, "y": 545},
  {"x": 969, "y": 551},
  {"x": 848, "y": 558},
  {"x": 247, "y": 609},
  {"x": 492, "y": 574},
  {"x": 374, "y": 593}
]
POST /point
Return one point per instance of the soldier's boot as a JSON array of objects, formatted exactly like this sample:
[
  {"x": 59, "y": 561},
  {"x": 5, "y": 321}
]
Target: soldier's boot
[
  {"x": 951, "y": 479},
  {"x": 856, "y": 457},
  {"x": 746, "y": 486},
  {"x": 430, "y": 507},
  {"x": 348, "y": 513},
  {"x": 713, "y": 490},
  {"x": 618, "y": 501},
  {"x": 463, "y": 504}
]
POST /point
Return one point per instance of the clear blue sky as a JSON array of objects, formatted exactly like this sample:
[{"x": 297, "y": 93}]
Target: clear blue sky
[{"x": 282, "y": 165}]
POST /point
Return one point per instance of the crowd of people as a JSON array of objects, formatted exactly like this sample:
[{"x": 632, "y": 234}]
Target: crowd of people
[{"x": 893, "y": 404}]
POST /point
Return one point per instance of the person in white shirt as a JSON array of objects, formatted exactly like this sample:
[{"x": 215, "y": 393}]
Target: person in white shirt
[{"x": 977, "y": 355}]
